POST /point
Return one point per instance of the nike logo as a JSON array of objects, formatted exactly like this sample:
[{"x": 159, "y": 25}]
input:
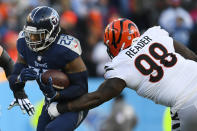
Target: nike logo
[{"x": 76, "y": 45}]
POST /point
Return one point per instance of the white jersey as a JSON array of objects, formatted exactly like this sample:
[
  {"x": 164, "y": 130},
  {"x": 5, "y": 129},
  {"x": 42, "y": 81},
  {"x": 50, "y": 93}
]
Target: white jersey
[{"x": 154, "y": 70}]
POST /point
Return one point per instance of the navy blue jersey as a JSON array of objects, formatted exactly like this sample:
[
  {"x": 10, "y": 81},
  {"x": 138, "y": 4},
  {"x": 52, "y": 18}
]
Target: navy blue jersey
[{"x": 64, "y": 50}]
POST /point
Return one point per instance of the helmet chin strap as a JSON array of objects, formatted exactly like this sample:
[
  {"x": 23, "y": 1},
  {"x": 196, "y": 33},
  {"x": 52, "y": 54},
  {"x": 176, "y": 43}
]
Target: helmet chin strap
[{"x": 109, "y": 53}]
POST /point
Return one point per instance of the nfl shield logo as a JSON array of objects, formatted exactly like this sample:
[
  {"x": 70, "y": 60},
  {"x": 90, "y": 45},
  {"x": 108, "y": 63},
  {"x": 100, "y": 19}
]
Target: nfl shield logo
[{"x": 39, "y": 58}]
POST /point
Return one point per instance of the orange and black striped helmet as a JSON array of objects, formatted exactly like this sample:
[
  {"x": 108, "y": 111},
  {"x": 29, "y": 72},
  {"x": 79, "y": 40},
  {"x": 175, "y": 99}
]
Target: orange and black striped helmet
[{"x": 119, "y": 35}]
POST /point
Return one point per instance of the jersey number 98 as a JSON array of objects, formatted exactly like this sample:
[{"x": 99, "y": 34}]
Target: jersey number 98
[{"x": 158, "y": 52}]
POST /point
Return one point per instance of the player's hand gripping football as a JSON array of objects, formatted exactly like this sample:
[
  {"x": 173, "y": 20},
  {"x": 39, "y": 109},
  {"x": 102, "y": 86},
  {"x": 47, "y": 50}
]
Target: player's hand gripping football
[
  {"x": 22, "y": 101},
  {"x": 27, "y": 74},
  {"x": 47, "y": 89}
]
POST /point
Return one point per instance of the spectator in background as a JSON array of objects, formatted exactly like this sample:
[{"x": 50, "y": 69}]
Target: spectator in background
[
  {"x": 82, "y": 7},
  {"x": 177, "y": 21},
  {"x": 10, "y": 39},
  {"x": 3, "y": 28},
  {"x": 4, "y": 10},
  {"x": 94, "y": 25},
  {"x": 193, "y": 13},
  {"x": 3, "y": 17},
  {"x": 122, "y": 117},
  {"x": 68, "y": 22},
  {"x": 100, "y": 58},
  {"x": 193, "y": 38}
]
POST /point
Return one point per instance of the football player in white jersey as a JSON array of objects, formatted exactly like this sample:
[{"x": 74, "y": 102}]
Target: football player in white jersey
[{"x": 154, "y": 66}]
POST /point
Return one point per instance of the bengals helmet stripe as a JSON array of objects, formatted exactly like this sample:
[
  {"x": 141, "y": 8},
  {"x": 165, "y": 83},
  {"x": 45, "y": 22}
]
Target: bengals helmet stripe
[
  {"x": 119, "y": 35},
  {"x": 121, "y": 28},
  {"x": 113, "y": 35},
  {"x": 108, "y": 32}
]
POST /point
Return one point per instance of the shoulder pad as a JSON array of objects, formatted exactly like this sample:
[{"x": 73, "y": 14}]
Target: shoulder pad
[
  {"x": 70, "y": 42},
  {"x": 157, "y": 30},
  {"x": 21, "y": 35}
]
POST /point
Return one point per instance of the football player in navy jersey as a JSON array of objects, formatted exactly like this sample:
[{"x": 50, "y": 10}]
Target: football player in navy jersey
[{"x": 40, "y": 48}]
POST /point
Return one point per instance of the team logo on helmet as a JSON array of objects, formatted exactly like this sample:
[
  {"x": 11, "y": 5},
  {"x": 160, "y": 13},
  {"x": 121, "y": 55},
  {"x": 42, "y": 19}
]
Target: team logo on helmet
[{"x": 54, "y": 20}]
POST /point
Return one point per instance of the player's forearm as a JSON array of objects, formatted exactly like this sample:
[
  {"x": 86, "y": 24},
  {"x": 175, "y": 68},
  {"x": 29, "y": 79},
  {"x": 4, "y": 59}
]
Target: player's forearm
[
  {"x": 71, "y": 93},
  {"x": 87, "y": 101},
  {"x": 106, "y": 91}
]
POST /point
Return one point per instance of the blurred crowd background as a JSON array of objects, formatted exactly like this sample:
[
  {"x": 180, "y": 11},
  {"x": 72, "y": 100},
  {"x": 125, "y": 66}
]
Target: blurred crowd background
[{"x": 86, "y": 20}]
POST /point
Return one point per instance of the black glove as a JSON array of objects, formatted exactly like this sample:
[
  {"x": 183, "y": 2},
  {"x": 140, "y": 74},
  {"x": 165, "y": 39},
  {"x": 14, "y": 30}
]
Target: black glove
[{"x": 22, "y": 101}]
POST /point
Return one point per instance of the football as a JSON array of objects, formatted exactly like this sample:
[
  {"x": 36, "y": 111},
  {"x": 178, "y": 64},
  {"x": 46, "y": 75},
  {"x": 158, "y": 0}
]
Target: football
[{"x": 60, "y": 80}]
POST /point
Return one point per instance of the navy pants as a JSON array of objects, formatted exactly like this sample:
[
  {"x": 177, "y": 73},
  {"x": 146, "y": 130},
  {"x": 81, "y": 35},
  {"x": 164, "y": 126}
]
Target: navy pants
[{"x": 65, "y": 122}]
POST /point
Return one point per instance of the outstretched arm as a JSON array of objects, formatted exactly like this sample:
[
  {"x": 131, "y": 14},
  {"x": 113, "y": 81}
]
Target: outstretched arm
[
  {"x": 107, "y": 90},
  {"x": 184, "y": 51},
  {"x": 17, "y": 86}
]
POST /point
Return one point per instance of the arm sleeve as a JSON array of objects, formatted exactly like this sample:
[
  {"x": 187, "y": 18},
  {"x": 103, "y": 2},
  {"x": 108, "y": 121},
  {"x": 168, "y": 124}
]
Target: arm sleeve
[
  {"x": 18, "y": 66},
  {"x": 78, "y": 86},
  {"x": 14, "y": 86},
  {"x": 7, "y": 63}
]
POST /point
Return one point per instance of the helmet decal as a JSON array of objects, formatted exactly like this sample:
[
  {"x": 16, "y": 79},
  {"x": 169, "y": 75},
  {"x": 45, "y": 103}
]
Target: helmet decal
[{"x": 54, "y": 20}]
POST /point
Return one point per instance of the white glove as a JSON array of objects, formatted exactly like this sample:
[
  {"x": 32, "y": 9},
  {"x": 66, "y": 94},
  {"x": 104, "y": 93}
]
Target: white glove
[
  {"x": 52, "y": 110},
  {"x": 24, "y": 104}
]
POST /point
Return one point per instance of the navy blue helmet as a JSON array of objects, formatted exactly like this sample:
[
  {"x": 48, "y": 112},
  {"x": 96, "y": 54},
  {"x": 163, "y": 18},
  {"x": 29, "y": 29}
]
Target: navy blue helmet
[{"x": 41, "y": 28}]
